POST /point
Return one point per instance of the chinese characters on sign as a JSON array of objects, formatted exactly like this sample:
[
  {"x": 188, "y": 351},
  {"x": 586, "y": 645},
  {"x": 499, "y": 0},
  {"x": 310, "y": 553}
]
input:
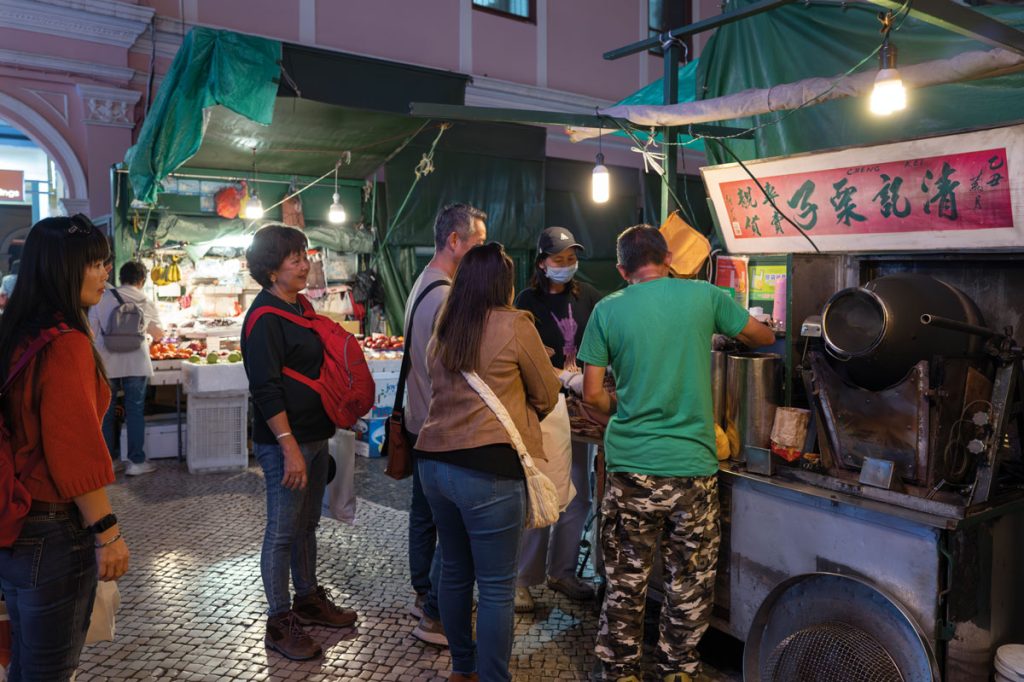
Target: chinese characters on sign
[{"x": 966, "y": 191}]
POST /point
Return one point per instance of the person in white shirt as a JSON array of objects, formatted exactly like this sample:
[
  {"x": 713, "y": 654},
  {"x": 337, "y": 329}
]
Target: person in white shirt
[{"x": 128, "y": 372}]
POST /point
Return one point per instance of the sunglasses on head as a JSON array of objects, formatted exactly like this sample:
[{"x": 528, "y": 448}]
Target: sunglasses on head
[{"x": 80, "y": 224}]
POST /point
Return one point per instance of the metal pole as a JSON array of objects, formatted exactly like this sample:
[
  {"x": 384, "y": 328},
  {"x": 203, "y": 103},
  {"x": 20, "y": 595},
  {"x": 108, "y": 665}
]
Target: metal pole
[{"x": 670, "y": 82}]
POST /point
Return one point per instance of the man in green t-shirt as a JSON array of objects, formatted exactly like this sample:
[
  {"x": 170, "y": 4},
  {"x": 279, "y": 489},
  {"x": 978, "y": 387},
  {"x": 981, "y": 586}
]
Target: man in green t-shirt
[{"x": 659, "y": 450}]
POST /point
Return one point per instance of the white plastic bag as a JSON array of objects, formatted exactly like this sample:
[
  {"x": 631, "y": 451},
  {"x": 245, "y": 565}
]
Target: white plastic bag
[
  {"x": 556, "y": 432},
  {"x": 104, "y": 612},
  {"x": 340, "y": 494}
]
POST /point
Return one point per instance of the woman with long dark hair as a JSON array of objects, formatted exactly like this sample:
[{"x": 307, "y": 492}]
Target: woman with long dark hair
[
  {"x": 469, "y": 469},
  {"x": 54, "y": 411},
  {"x": 561, "y": 307}
]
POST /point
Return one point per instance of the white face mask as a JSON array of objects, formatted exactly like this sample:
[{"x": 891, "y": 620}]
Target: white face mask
[{"x": 561, "y": 275}]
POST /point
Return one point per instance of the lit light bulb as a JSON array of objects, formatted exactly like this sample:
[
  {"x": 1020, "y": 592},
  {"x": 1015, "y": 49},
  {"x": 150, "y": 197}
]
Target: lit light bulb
[
  {"x": 336, "y": 214},
  {"x": 600, "y": 182},
  {"x": 254, "y": 208},
  {"x": 888, "y": 95}
]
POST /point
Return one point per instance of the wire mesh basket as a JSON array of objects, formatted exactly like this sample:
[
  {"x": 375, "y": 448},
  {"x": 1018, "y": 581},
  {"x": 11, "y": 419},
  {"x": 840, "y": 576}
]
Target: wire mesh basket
[
  {"x": 218, "y": 432},
  {"x": 830, "y": 652}
]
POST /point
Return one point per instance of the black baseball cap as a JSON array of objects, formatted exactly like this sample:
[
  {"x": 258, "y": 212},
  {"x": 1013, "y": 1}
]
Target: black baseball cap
[{"x": 555, "y": 240}]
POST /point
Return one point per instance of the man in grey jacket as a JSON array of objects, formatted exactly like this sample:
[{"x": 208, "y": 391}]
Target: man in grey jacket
[{"x": 457, "y": 229}]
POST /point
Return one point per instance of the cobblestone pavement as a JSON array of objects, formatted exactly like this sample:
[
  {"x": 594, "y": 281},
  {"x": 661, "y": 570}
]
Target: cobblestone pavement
[{"x": 192, "y": 605}]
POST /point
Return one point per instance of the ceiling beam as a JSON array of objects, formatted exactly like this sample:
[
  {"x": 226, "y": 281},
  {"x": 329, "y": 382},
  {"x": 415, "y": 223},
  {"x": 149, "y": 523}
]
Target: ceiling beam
[
  {"x": 963, "y": 20},
  {"x": 553, "y": 118}
]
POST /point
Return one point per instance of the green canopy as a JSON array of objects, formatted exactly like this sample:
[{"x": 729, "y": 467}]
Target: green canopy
[
  {"x": 654, "y": 93},
  {"x": 800, "y": 41},
  {"x": 212, "y": 67}
]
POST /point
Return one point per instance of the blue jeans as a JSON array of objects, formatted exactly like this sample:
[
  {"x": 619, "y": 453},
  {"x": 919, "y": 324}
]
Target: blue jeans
[
  {"x": 49, "y": 583},
  {"x": 480, "y": 521},
  {"x": 292, "y": 518},
  {"x": 134, "y": 401},
  {"x": 424, "y": 554}
]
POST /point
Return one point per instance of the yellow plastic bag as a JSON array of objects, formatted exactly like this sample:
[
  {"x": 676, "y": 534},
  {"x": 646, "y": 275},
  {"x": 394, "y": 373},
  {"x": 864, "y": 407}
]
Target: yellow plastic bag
[{"x": 689, "y": 248}]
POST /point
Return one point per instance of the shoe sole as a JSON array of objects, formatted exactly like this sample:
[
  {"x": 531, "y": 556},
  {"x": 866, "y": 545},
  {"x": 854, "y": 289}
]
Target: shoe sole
[
  {"x": 574, "y": 596},
  {"x": 416, "y": 613},
  {"x": 525, "y": 609},
  {"x": 311, "y": 621},
  {"x": 138, "y": 473},
  {"x": 430, "y": 638},
  {"x": 273, "y": 647}
]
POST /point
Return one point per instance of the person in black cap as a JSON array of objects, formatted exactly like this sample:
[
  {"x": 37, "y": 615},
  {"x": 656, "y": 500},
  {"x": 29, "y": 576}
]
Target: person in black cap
[{"x": 561, "y": 306}]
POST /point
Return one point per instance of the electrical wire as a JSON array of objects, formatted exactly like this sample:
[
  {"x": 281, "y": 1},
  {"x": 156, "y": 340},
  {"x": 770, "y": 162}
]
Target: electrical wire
[{"x": 768, "y": 196}]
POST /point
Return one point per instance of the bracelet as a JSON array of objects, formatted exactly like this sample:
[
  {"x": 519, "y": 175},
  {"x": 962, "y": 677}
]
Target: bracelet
[
  {"x": 279, "y": 436},
  {"x": 108, "y": 542}
]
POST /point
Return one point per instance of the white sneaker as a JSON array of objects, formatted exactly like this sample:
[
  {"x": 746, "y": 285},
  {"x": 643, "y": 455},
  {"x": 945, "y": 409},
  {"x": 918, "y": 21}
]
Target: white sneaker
[{"x": 133, "y": 469}]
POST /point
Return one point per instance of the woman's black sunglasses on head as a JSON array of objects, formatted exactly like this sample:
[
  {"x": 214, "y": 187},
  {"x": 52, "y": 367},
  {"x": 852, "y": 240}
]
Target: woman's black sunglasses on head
[{"x": 80, "y": 224}]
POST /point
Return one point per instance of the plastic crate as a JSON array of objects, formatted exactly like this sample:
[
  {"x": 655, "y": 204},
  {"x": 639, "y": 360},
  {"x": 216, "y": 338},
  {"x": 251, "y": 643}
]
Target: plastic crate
[
  {"x": 161, "y": 440},
  {"x": 217, "y": 432}
]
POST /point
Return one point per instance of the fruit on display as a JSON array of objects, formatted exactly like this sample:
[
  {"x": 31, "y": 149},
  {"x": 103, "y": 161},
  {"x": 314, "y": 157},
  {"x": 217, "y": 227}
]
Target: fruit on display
[
  {"x": 195, "y": 359},
  {"x": 384, "y": 342},
  {"x": 169, "y": 351},
  {"x": 213, "y": 358},
  {"x": 235, "y": 356}
]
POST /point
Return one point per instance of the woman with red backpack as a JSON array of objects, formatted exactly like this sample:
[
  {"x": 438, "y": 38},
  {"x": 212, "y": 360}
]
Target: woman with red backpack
[
  {"x": 59, "y": 535},
  {"x": 291, "y": 428}
]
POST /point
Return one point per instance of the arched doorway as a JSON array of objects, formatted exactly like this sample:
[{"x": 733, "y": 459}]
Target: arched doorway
[{"x": 31, "y": 187}]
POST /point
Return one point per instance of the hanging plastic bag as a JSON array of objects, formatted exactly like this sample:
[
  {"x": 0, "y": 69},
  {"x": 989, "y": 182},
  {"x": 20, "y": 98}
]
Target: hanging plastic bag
[
  {"x": 689, "y": 248},
  {"x": 104, "y": 612},
  {"x": 340, "y": 494},
  {"x": 557, "y": 439}
]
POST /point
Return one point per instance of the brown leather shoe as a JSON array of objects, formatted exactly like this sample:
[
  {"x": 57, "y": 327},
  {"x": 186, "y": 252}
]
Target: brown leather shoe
[
  {"x": 318, "y": 609},
  {"x": 286, "y": 636},
  {"x": 463, "y": 677}
]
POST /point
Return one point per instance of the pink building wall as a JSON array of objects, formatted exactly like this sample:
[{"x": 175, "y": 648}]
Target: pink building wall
[{"x": 73, "y": 76}]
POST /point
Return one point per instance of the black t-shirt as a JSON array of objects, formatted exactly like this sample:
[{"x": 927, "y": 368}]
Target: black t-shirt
[
  {"x": 276, "y": 343},
  {"x": 552, "y": 317}
]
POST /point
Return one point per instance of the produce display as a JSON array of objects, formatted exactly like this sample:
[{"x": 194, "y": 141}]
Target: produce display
[
  {"x": 214, "y": 357},
  {"x": 173, "y": 350},
  {"x": 383, "y": 342}
]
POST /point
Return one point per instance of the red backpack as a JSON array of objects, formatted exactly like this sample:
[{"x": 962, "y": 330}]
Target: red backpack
[
  {"x": 15, "y": 500},
  {"x": 345, "y": 383}
]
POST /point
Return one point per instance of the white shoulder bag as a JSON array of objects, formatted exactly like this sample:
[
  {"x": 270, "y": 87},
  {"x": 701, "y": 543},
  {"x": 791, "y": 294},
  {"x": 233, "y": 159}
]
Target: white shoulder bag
[{"x": 542, "y": 496}]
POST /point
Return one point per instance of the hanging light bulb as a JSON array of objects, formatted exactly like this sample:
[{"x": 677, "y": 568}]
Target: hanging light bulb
[
  {"x": 888, "y": 94},
  {"x": 600, "y": 182},
  {"x": 336, "y": 214},
  {"x": 254, "y": 207}
]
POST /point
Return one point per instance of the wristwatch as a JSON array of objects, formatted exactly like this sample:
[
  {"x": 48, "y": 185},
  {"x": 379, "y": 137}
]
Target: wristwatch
[{"x": 108, "y": 521}]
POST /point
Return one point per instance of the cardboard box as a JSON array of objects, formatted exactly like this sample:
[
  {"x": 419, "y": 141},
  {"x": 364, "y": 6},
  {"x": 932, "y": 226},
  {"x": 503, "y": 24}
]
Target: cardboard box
[
  {"x": 370, "y": 437},
  {"x": 387, "y": 388}
]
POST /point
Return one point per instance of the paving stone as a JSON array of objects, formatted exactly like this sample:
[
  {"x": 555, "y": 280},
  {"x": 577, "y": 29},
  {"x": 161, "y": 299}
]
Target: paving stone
[{"x": 192, "y": 605}]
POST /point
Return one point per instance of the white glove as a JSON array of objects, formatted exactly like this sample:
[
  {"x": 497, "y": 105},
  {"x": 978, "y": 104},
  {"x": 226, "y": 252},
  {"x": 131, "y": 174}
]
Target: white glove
[{"x": 572, "y": 381}]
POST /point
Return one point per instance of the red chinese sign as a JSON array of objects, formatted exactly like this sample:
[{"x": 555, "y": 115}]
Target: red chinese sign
[
  {"x": 12, "y": 185},
  {"x": 966, "y": 191}
]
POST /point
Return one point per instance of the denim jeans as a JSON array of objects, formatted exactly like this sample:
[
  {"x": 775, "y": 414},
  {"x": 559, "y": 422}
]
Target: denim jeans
[
  {"x": 424, "y": 554},
  {"x": 292, "y": 518},
  {"x": 49, "y": 583},
  {"x": 479, "y": 520},
  {"x": 134, "y": 401}
]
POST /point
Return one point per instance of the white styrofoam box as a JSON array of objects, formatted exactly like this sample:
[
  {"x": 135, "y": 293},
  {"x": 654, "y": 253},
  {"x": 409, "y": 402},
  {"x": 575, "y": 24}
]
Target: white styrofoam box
[
  {"x": 218, "y": 432},
  {"x": 199, "y": 378},
  {"x": 387, "y": 388},
  {"x": 166, "y": 373},
  {"x": 384, "y": 366},
  {"x": 369, "y": 435},
  {"x": 341, "y": 266},
  {"x": 161, "y": 439}
]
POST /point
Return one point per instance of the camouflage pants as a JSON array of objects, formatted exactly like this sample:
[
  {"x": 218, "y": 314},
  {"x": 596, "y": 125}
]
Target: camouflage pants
[{"x": 637, "y": 511}]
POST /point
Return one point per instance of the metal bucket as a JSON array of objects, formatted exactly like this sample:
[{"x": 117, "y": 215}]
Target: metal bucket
[
  {"x": 752, "y": 396},
  {"x": 718, "y": 379}
]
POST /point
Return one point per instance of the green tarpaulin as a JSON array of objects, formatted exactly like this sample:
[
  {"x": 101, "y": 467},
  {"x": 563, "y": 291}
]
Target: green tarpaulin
[
  {"x": 211, "y": 67},
  {"x": 800, "y": 41}
]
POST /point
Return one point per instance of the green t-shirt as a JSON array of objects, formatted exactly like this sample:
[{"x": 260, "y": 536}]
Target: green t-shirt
[{"x": 656, "y": 337}]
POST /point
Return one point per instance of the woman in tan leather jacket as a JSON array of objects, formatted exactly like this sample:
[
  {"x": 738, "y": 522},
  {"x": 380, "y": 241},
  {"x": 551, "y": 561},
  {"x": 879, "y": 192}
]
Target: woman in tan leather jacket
[{"x": 470, "y": 472}]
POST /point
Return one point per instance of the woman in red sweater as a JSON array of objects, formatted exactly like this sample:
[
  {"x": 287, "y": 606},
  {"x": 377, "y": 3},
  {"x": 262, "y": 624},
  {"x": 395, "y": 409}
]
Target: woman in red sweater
[{"x": 54, "y": 412}]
